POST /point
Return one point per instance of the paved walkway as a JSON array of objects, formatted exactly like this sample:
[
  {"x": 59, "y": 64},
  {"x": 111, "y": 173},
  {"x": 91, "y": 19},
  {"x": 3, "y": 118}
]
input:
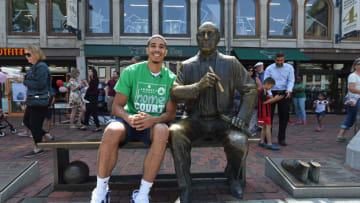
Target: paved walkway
[{"x": 303, "y": 142}]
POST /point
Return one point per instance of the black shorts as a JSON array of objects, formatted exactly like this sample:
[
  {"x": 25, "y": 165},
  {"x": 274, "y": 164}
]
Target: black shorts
[{"x": 133, "y": 135}]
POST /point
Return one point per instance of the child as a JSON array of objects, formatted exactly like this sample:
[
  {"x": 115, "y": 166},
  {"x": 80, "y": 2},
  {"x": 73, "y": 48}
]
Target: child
[
  {"x": 264, "y": 113},
  {"x": 320, "y": 106}
]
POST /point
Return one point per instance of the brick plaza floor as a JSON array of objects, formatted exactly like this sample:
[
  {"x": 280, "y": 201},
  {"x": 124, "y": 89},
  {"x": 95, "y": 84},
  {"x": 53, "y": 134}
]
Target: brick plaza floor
[{"x": 303, "y": 142}]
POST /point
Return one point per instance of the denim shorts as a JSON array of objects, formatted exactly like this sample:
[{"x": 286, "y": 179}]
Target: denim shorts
[
  {"x": 318, "y": 114},
  {"x": 133, "y": 135}
]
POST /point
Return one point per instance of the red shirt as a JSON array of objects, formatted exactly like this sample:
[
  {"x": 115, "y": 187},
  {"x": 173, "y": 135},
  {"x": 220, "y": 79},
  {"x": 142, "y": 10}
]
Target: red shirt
[
  {"x": 264, "y": 109},
  {"x": 111, "y": 84}
]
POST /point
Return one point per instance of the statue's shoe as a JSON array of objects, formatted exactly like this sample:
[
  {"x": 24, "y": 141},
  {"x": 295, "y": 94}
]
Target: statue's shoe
[
  {"x": 185, "y": 196},
  {"x": 299, "y": 169},
  {"x": 314, "y": 171},
  {"x": 236, "y": 188}
]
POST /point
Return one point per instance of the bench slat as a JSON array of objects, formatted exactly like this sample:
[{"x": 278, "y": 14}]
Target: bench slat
[{"x": 95, "y": 144}]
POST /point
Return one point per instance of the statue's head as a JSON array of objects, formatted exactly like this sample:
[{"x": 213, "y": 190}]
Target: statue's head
[{"x": 208, "y": 36}]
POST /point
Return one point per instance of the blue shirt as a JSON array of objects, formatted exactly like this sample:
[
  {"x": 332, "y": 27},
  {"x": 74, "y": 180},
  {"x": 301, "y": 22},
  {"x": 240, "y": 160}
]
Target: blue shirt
[
  {"x": 283, "y": 76},
  {"x": 261, "y": 77}
]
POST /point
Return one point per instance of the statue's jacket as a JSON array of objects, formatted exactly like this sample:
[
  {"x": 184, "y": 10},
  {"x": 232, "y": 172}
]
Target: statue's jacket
[{"x": 233, "y": 77}]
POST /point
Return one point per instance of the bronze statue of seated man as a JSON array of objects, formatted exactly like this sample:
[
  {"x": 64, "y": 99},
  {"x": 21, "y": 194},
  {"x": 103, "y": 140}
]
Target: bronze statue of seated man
[{"x": 207, "y": 105}]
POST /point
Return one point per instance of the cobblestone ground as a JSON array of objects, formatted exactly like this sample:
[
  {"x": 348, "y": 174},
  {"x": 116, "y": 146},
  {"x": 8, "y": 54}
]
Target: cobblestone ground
[{"x": 303, "y": 142}]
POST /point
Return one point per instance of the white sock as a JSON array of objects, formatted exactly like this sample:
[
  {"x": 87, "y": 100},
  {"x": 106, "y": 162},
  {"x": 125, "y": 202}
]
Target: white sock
[
  {"x": 102, "y": 184},
  {"x": 144, "y": 188}
]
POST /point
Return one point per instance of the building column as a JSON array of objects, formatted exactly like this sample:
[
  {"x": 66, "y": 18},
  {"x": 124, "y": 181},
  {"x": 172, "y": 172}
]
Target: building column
[
  {"x": 263, "y": 23},
  {"x": 193, "y": 21},
  {"x": 81, "y": 65},
  {"x": 116, "y": 21},
  {"x": 228, "y": 25},
  {"x": 3, "y": 23},
  {"x": 300, "y": 23},
  {"x": 43, "y": 23},
  {"x": 155, "y": 11}
]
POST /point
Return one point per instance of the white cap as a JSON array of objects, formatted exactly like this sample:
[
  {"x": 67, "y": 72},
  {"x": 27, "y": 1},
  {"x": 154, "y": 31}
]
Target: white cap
[{"x": 259, "y": 64}]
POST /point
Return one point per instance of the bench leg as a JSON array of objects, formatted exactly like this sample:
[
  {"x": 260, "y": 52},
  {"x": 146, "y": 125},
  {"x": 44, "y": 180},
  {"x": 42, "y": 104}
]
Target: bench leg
[{"x": 61, "y": 161}]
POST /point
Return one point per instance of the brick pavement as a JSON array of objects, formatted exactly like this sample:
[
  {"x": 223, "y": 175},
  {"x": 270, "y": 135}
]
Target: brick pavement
[{"x": 303, "y": 142}]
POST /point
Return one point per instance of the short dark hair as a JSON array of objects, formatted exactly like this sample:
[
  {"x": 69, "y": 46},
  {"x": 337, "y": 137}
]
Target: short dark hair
[
  {"x": 156, "y": 36},
  {"x": 270, "y": 81},
  {"x": 323, "y": 94},
  {"x": 279, "y": 54}
]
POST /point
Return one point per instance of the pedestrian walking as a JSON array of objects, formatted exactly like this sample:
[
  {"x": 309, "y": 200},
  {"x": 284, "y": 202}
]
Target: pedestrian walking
[
  {"x": 320, "y": 105},
  {"x": 37, "y": 81},
  {"x": 91, "y": 95},
  {"x": 110, "y": 89},
  {"x": 299, "y": 100},
  {"x": 74, "y": 85},
  {"x": 351, "y": 101}
]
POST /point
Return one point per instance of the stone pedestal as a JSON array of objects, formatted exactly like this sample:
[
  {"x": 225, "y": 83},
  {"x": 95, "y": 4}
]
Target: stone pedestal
[
  {"x": 353, "y": 152},
  {"x": 16, "y": 175},
  {"x": 335, "y": 180}
]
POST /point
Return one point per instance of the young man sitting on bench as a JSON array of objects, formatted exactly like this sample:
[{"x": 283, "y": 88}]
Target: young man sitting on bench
[{"x": 142, "y": 108}]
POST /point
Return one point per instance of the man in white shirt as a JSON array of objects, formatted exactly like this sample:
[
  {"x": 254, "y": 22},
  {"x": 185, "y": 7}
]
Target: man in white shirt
[{"x": 283, "y": 74}]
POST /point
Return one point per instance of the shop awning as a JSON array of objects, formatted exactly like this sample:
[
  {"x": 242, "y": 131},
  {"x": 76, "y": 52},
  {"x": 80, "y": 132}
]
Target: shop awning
[
  {"x": 268, "y": 54},
  {"x": 139, "y": 50}
]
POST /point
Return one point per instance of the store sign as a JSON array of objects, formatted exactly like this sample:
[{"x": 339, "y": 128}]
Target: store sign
[
  {"x": 12, "y": 51},
  {"x": 350, "y": 20}
]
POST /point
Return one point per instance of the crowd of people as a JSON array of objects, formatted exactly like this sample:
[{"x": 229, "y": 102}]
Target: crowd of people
[{"x": 136, "y": 117}]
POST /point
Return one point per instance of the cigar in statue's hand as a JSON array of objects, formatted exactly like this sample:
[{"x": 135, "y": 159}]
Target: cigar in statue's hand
[{"x": 218, "y": 83}]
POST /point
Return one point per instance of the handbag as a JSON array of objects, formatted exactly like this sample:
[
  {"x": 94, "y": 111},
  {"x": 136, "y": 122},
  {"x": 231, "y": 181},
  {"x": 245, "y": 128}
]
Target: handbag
[
  {"x": 351, "y": 100},
  {"x": 41, "y": 100}
]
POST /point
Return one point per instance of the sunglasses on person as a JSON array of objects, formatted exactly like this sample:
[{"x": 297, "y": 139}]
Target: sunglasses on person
[{"x": 27, "y": 54}]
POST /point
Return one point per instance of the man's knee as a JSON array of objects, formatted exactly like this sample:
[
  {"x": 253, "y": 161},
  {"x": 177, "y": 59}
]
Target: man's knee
[
  {"x": 160, "y": 133},
  {"x": 114, "y": 133}
]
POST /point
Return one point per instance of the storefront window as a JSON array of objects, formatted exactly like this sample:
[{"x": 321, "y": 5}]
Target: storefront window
[
  {"x": 210, "y": 11},
  {"x": 24, "y": 16},
  {"x": 58, "y": 16},
  {"x": 317, "y": 18},
  {"x": 174, "y": 17},
  {"x": 281, "y": 18},
  {"x": 327, "y": 78},
  {"x": 99, "y": 16},
  {"x": 245, "y": 11},
  {"x": 136, "y": 15}
]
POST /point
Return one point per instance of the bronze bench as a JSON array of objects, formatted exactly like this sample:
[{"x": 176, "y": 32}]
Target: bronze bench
[{"x": 61, "y": 150}]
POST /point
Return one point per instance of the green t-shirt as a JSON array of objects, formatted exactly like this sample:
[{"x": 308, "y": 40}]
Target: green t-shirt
[
  {"x": 145, "y": 92},
  {"x": 302, "y": 93}
]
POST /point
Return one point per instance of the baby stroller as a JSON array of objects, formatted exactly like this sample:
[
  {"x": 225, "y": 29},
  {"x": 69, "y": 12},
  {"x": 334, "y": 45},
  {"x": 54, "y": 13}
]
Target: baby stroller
[{"x": 3, "y": 118}]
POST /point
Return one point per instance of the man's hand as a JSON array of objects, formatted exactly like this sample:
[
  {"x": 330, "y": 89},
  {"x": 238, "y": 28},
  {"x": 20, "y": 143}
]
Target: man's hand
[
  {"x": 278, "y": 97},
  {"x": 288, "y": 94},
  {"x": 19, "y": 80},
  {"x": 141, "y": 121},
  {"x": 208, "y": 80}
]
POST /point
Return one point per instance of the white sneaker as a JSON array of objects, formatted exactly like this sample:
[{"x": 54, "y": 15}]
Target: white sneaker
[
  {"x": 100, "y": 198},
  {"x": 136, "y": 198}
]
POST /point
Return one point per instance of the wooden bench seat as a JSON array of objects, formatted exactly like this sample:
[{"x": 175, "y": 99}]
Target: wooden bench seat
[{"x": 61, "y": 148}]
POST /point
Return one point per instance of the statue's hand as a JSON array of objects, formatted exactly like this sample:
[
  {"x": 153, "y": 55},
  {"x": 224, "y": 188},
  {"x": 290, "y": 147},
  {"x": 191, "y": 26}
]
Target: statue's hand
[
  {"x": 236, "y": 122},
  {"x": 208, "y": 80}
]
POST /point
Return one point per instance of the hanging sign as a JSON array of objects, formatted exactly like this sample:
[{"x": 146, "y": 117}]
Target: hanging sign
[{"x": 350, "y": 20}]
